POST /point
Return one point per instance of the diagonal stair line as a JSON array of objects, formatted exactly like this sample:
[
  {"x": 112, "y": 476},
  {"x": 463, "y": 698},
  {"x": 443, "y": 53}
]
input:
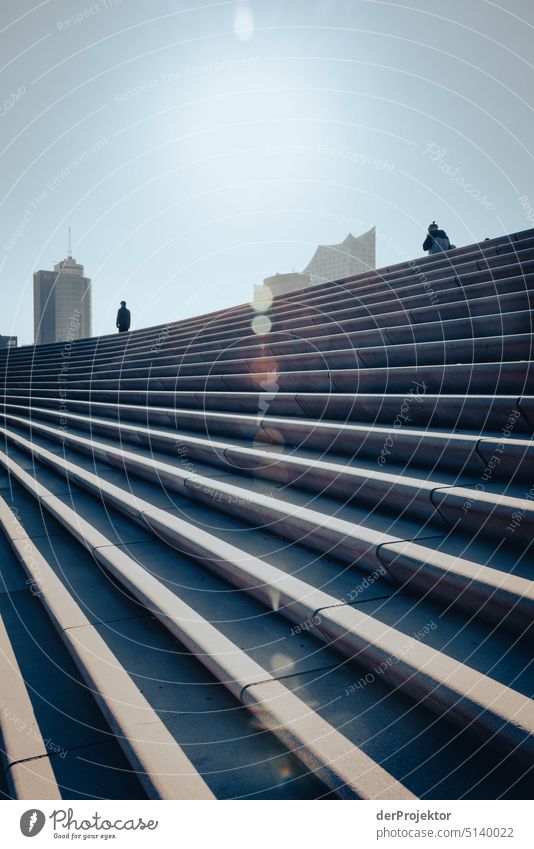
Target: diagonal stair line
[
  {"x": 343, "y": 767},
  {"x": 448, "y": 330},
  {"x": 493, "y": 594},
  {"x": 478, "y": 588},
  {"x": 26, "y": 759},
  {"x": 443, "y": 684},
  {"x": 343, "y": 439},
  {"x": 469, "y": 350},
  {"x": 162, "y": 766}
]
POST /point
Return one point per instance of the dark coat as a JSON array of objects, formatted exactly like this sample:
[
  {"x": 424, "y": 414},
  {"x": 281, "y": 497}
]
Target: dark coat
[
  {"x": 123, "y": 318},
  {"x": 430, "y": 243}
]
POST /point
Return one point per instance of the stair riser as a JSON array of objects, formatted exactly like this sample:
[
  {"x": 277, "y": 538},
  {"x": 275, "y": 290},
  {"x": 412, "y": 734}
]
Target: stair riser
[
  {"x": 510, "y": 348},
  {"x": 476, "y": 413}
]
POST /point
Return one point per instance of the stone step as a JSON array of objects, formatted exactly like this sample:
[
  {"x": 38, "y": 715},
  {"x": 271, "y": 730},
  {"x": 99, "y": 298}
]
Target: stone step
[
  {"x": 435, "y": 678},
  {"x": 199, "y": 712},
  {"x": 513, "y": 347},
  {"x": 483, "y": 591},
  {"x": 25, "y": 757},
  {"x": 480, "y": 378},
  {"x": 476, "y": 413},
  {"x": 467, "y": 311},
  {"x": 361, "y": 483},
  {"x": 366, "y": 713},
  {"x": 343, "y": 767},
  {"x": 406, "y": 444},
  {"x": 503, "y": 324},
  {"x": 160, "y": 764},
  {"x": 404, "y": 447},
  {"x": 55, "y": 740}
]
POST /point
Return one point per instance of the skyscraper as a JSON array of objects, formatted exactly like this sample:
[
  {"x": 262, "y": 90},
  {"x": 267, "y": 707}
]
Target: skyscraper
[{"x": 61, "y": 303}]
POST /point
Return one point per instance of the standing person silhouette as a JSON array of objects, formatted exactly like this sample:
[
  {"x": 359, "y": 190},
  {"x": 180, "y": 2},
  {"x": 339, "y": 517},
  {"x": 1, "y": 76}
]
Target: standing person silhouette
[
  {"x": 437, "y": 240},
  {"x": 123, "y": 318}
]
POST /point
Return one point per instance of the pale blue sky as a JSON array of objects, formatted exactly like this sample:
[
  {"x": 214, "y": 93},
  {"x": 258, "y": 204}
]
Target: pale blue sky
[{"x": 217, "y": 143}]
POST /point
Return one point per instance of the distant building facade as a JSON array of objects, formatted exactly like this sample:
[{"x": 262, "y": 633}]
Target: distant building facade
[
  {"x": 8, "y": 342},
  {"x": 354, "y": 255},
  {"x": 61, "y": 303},
  {"x": 281, "y": 284}
]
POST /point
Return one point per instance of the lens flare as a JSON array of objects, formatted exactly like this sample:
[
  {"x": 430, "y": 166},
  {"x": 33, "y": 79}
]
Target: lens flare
[
  {"x": 243, "y": 22},
  {"x": 261, "y": 324},
  {"x": 263, "y": 299}
]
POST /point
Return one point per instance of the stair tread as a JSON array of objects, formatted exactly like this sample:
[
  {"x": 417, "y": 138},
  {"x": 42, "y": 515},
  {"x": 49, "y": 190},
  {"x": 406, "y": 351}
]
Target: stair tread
[{"x": 170, "y": 559}]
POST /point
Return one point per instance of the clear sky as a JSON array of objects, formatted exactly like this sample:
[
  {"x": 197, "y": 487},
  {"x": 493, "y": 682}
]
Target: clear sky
[{"x": 197, "y": 147}]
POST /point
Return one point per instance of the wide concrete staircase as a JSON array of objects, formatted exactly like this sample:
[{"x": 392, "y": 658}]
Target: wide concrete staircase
[{"x": 278, "y": 551}]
